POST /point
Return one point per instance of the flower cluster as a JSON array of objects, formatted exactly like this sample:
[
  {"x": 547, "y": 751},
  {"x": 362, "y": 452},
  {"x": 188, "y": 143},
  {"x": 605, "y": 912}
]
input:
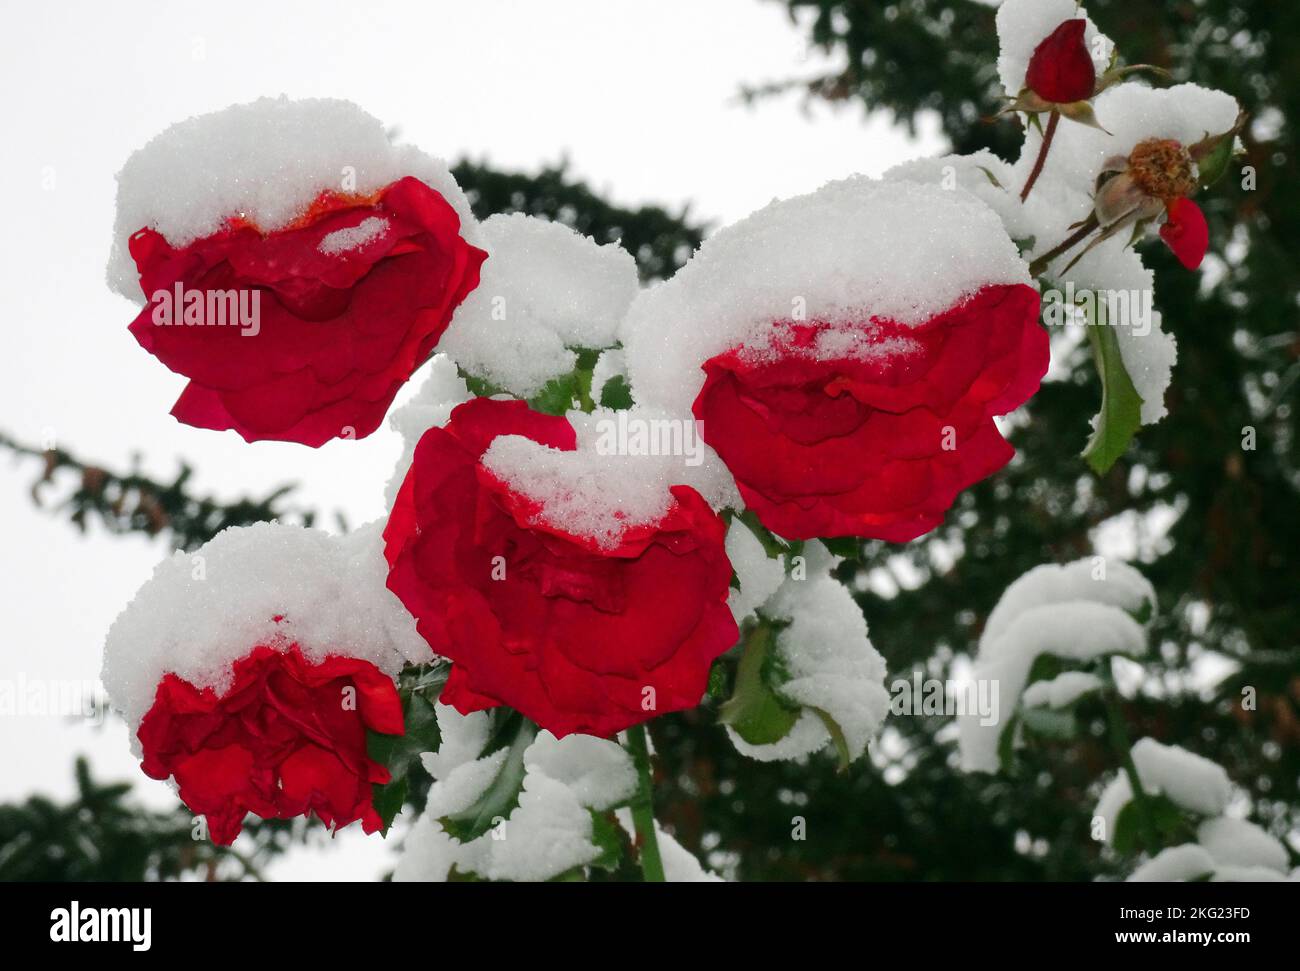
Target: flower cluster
[{"x": 561, "y": 562}]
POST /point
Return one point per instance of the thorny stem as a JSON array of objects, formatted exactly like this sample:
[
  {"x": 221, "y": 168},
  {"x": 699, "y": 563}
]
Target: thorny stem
[
  {"x": 1042, "y": 154},
  {"x": 643, "y": 813},
  {"x": 1037, "y": 267},
  {"x": 1119, "y": 740}
]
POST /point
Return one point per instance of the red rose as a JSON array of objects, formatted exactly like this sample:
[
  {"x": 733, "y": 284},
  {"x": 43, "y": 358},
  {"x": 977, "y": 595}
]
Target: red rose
[
  {"x": 1061, "y": 67},
  {"x": 1186, "y": 232},
  {"x": 566, "y": 631},
  {"x": 875, "y": 444},
  {"x": 288, "y": 738},
  {"x": 323, "y": 320}
]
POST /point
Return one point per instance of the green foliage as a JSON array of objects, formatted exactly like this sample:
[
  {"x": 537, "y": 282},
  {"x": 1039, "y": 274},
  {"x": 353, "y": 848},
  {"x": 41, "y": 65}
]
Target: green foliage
[{"x": 1121, "y": 405}]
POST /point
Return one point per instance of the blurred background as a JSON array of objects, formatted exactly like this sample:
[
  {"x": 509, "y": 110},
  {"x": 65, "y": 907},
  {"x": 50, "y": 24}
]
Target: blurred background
[{"x": 653, "y": 125}]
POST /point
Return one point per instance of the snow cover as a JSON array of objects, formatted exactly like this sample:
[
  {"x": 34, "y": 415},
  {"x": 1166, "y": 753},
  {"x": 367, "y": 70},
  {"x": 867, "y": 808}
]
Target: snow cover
[
  {"x": 829, "y": 662},
  {"x": 1024, "y": 24},
  {"x": 1061, "y": 691},
  {"x": 543, "y": 290},
  {"x": 1227, "y": 850},
  {"x": 1185, "y": 778},
  {"x": 200, "y": 612},
  {"x": 602, "y": 489},
  {"x": 430, "y": 407},
  {"x": 548, "y": 833},
  {"x": 854, "y": 249},
  {"x": 1057, "y": 610},
  {"x": 266, "y": 161},
  {"x": 759, "y": 575}
]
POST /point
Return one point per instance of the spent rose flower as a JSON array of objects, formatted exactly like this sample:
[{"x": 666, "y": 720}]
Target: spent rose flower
[
  {"x": 578, "y": 635},
  {"x": 1155, "y": 180},
  {"x": 305, "y": 333},
  {"x": 1061, "y": 69},
  {"x": 287, "y": 738},
  {"x": 876, "y": 442}
]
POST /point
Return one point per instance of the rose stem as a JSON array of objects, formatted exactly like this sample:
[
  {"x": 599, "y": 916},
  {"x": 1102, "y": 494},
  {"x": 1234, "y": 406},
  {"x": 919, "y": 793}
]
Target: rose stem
[
  {"x": 1042, "y": 154},
  {"x": 643, "y": 811},
  {"x": 1037, "y": 267}
]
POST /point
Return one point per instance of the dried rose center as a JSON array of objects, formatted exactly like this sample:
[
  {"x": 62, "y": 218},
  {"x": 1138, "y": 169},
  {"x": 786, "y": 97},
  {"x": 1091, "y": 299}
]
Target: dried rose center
[{"x": 1162, "y": 168}]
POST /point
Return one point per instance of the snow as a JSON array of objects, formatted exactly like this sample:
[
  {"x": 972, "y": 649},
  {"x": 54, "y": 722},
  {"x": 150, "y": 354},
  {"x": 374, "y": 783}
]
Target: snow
[
  {"x": 830, "y": 665},
  {"x": 544, "y": 290},
  {"x": 680, "y": 866},
  {"x": 597, "y": 770},
  {"x": 1024, "y": 24},
  {"x": 430, "y": 407},
  {"x": 1062, "y": 691},
  {"x": 1186, "y": 862},
  {"x": 266, "y": 161},
  {"x": 610, "y": 364},
  {"x": 1078, "y": 612},
  {"x": 548, "y": 833},
  {"x": 353, "y": 237},
  {"x": 1227, "y": 850},
  {"x": 1237, "y": 843},
  {"x": 854, "y": 249},
  {"x": 1185, "y": 778},
  {"x": 202, "y": 611},
  {"x": 1096, "y": 579},
  {"x": 603, "y": 488},
  {"x": 759, "y": 574}
]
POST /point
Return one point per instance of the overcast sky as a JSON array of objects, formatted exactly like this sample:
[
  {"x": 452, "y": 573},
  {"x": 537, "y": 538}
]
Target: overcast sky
[{"x": 640, "y": 97}]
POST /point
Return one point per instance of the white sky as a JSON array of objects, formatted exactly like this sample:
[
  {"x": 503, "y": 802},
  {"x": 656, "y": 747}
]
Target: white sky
[{"x": 640, "y": 97}]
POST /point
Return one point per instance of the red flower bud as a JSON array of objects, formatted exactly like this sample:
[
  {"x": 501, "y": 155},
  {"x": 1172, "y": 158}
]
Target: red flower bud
[
  {"x": 1061, "y": 68},
  {"x": 1186, "y": 232}
]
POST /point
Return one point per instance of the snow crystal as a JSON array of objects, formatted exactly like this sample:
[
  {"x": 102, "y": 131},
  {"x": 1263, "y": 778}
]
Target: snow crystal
[
  {"x": 611, "y": 364},
  {"x": 1062, "y": 691},
  {"x": 353, "y": 237},
  {"x": 267, "y": 584},
  {"x": 428, "y": 854},
  {"x": 544, "y": 290},
  {"x": 605, "y": 486},
  {"x": 265, "y": 161},
  {"x": 1237, "y": 843},
  {"x": 852, "y": 250},
  {"x": 1024, "y": 24},
  {"x": 430, "y": 407},
  {"x": 759, "y": 575}
]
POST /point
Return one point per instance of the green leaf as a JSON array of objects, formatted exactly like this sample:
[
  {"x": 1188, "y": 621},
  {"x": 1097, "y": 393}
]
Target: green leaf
[
  {"x": 399, "y": 752},
  {"x": 610, "y": 838},
  {"x": 848, "y": 547},
  {"x": 502, "y": 795},
  {"x": 557, "y": 396},
  {"x": 1172, "y": 824},
  {"x": 755, "y": 711},
  {"x": 1121, "y": 405},
  {"x": 837, "y": 737},
  {"x": 617, "y": 393}
]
